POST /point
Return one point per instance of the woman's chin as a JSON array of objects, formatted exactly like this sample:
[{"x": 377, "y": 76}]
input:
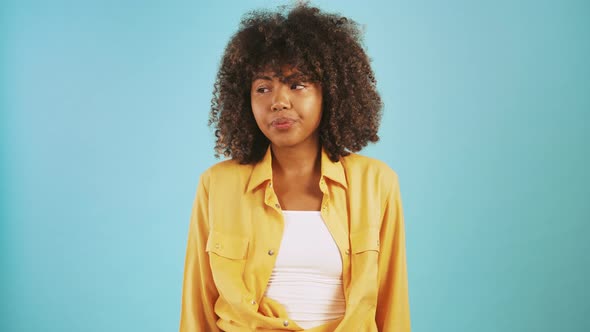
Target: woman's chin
[{"x": 284, "y": 143}]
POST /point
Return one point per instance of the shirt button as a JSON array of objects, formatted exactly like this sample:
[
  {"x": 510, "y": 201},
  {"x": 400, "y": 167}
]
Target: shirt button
[
  {"x": 217, "y": 245},
  {"x": 286, "y": 323},
  {"x": 271, "y": 252},
  {"x": 253, "y": 302}
]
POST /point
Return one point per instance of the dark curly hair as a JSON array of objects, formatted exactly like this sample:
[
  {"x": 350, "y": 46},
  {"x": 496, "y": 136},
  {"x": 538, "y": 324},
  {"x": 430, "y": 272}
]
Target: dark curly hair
[{"x": 328, "y": 49}]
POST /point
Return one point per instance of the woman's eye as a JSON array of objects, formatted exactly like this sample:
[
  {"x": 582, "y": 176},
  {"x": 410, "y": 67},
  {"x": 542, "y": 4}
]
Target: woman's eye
[
  {"x": 297, "y": 86},
  {"x": 262, "y": 90}
]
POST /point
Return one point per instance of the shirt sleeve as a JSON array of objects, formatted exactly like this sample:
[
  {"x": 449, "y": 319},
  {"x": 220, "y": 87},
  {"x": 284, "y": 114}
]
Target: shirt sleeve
[
  {"x": 199, "y": 293},
  {"x": 393, "y": 308}
]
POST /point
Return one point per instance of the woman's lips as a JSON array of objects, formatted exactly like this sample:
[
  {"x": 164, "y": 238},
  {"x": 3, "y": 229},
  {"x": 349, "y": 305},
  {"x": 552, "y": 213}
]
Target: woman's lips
[{"x": 282, "y": 123}]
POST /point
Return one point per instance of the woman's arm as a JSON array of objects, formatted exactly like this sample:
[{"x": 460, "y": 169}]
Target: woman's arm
[
  {"x": 198, "y": 292},
  {"x": 393, "y": 308}
]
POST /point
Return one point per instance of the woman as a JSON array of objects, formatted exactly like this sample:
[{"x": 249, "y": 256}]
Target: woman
[{"x": 295, "y": 231}]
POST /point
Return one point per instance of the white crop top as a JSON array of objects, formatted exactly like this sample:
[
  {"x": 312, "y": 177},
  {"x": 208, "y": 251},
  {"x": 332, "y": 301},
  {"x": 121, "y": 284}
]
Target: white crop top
[{"x": 307, "y": 277}]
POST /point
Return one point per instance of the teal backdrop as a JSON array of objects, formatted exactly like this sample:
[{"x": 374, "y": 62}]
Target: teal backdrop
[{"x": 103, "y": 135}]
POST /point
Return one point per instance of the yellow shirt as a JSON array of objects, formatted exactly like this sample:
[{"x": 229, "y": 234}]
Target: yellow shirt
[{"x": 236, "y": 228}]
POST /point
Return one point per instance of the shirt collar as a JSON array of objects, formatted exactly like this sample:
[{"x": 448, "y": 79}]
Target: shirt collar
[{"x": 262, "y": 171}]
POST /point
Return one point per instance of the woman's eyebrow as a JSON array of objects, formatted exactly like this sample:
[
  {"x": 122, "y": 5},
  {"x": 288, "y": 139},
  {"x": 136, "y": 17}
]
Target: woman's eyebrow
[{"x": 296, "y": 77}]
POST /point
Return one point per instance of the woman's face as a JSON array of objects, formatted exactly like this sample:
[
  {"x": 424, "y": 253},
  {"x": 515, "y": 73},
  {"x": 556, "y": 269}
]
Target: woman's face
[{"x": 287, "y": 110}]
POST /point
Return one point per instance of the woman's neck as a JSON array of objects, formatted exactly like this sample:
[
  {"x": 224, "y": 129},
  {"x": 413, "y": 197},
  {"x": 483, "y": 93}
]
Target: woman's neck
[{"x": 297, "y": 161}]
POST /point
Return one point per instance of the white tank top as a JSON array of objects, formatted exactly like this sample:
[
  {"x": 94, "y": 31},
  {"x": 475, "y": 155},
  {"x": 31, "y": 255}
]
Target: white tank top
[{"x": 307, "y": 277}]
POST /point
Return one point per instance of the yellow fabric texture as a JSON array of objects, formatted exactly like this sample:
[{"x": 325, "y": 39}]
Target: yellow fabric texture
[{"x": 235, "y": 232}]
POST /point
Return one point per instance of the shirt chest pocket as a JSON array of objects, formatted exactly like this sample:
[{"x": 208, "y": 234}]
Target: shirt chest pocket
[
  {"x": 365, "y": 249},
  {"x": 227, "y": 259},
  {"x": 365, "y": 241},
  {"x": 234, "y": 247}
]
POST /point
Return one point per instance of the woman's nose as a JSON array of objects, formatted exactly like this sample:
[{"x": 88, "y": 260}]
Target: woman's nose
[{"x": 280, "y": 99}]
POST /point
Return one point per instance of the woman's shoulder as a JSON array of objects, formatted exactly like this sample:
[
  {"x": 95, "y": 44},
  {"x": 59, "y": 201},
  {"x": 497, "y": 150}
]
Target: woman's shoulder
[
  {"x": 228, "y": 168},
  {"x": 227, "y": 176},
  {"x": 363, "y": 166},
  {"x": 360, "y": 162}
]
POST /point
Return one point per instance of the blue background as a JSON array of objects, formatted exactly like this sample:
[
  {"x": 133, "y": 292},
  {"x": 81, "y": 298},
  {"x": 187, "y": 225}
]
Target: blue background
[{"x": 103, "y": 135}]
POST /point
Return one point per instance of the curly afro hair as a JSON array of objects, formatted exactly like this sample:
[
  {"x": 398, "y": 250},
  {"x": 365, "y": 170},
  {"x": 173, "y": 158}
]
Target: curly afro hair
[{"x": 328, "y": 49}]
